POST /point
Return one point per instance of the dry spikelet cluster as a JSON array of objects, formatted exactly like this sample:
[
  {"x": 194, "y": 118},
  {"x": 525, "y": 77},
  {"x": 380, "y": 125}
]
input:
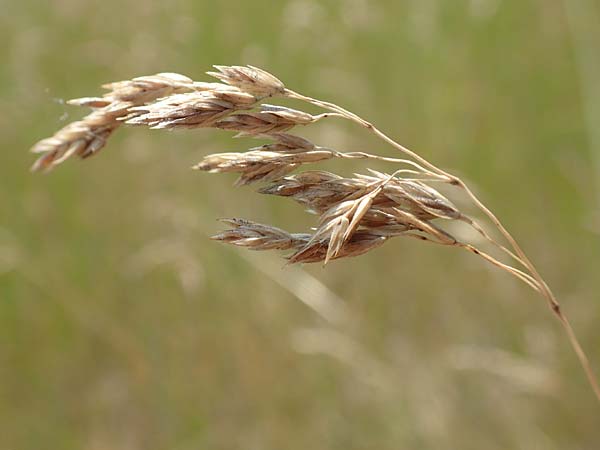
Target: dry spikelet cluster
[
  {"x": 355, "y": 215},
  {"x": 88, "y": 135}
]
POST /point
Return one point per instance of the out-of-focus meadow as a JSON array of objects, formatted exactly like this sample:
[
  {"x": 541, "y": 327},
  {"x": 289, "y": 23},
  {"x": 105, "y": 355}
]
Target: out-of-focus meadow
[{"x": 123, "y": 327}]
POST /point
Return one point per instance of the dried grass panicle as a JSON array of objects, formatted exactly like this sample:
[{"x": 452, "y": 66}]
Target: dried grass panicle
[
  {"x": 250, "y": 79},
  {"x": 357, "y": 214}
]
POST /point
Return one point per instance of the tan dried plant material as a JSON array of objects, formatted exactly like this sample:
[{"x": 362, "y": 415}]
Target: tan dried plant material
[
  {"x": 87, "y": 136},
  {"x": 341, "y": 220},
  {"x": 148, "y": 88},
  {"x": 356, "y": 214},
  {"x": 250, "y": 79},
  {"x": 318, "y": 251},
  {"x": 256, "y": 236},
  {"x": 320, "y": 190},
  {"x": 83, "y": 138},
  {"x": 191, "y": 110},
  {"x": 267, "y": 162},
  {"x": 270, "y": 119}
]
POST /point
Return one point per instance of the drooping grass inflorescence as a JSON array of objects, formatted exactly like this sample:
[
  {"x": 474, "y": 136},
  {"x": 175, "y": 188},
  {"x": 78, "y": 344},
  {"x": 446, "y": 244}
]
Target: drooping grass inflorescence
[{"x": 355, "y": 214}]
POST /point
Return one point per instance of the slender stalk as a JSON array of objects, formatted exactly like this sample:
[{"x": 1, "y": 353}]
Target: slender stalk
[
  {"x": 517, "y": 273},
  {"x": 527, "y": 279}
]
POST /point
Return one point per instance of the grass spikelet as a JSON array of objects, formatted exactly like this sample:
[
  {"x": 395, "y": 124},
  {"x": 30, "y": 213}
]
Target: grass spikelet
[{"x": 250, "y": 79}]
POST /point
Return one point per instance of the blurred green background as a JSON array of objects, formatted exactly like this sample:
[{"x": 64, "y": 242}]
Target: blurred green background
[{"x": 123, "y": 327}]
